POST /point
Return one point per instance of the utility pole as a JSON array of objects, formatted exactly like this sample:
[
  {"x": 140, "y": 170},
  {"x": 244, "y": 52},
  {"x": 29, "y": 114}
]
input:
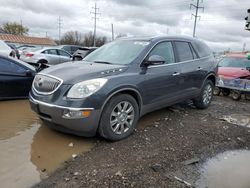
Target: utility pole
[
  {"x": 112, "y": 28},
  {"x": 244, "y": 47},
  {"x": 59, "y": 29},
  {"x": 197, "y": 7},
  {"x": 95, "y": 12}
]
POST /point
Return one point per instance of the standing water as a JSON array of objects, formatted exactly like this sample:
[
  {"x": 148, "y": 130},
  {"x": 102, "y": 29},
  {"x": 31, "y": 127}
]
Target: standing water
[
  {"x": 29, "y": 151},
  {"x": 227, "y": 170}
]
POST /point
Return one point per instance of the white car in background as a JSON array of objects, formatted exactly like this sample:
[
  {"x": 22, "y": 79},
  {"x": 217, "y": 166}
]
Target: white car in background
[
  {"x": 47, "y": 55},
  {"x": 5, "y": 50}
]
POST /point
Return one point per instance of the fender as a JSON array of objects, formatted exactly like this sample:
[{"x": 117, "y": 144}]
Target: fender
[{"x": 121, "y": 90}]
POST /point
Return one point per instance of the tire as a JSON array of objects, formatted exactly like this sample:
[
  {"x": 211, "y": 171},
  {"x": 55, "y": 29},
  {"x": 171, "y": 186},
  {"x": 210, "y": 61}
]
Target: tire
[
  {"x": 206, "y": 95},
  {"x": 247, "y": 96},
  {"x": 225, "y": 92},
  {"x": 236, "y": 95},
  {"x": 217, "y": 91},
  {"x": 115, "y": 123}
]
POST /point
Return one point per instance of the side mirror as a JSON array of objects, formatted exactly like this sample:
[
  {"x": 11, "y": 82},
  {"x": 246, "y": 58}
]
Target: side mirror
[
  {"x": 28, "y": 73},
  {"x": 155, "y": 60}
]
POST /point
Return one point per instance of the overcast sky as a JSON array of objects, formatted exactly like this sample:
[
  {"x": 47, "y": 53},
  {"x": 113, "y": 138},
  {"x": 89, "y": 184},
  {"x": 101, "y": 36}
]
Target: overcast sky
[{"x": 221, "y": 24}]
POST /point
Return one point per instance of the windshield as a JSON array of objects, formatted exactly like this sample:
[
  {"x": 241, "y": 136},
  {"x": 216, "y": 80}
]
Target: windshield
[
  {"x": 234, "y": 62},
  {"x": 117, "y": 52}
]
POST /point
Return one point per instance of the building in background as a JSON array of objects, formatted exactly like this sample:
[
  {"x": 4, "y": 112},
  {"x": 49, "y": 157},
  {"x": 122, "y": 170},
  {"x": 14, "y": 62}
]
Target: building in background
[{"x": 19, "y": 40}]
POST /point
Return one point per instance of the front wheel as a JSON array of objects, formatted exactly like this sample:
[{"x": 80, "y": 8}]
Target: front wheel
[
  {"x": 119, "y": 117},
  {"x": 206, "y": 96}
]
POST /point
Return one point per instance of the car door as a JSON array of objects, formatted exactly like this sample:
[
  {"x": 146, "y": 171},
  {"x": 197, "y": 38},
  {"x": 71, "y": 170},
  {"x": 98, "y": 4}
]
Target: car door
[
  {"x": 14, "y": 81},
  {"x": 162, "y": 82},
  {"x": 64, "y": 56},
  {"x": 52, "y": 56},
  {"x": 187, "y": 58}
]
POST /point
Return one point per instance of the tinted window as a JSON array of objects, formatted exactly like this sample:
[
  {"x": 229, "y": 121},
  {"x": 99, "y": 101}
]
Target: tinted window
[
  {"x": 8, "y": 66},
  {"x": 74, "y": 48},
  {"x": 67, "y": 48},
  {"x": 184, "y": 51},
  {"x": 63, "y": 53},
  {"x": 164, "y": 50},
  {"x": 202, "y": 49}
]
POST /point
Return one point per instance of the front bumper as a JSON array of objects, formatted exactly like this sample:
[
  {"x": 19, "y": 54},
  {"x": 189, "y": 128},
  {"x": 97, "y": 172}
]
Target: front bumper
[{"x": 52, "y": 115}]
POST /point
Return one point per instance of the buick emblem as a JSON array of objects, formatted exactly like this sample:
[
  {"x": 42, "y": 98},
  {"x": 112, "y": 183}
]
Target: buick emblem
[{"x": 40, "y": 82}]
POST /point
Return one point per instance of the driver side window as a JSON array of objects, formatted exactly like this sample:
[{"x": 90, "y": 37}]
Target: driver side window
[{"x": 165, "y": 50}]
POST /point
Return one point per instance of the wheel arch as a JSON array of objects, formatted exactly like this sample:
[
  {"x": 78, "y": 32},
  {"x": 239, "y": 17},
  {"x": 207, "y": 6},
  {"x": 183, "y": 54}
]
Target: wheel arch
[{"x": 130, "y": 91}]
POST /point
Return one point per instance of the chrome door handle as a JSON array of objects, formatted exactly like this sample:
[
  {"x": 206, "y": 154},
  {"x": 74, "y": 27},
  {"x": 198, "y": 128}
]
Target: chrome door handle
[
  {"x": 199, "y": 68},
  {"x": 176, "y": 74}
]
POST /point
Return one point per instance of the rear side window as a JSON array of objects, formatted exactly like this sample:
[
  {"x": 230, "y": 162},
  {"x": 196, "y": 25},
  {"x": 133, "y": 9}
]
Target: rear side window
[
  {"x": 184, "y": 51},
  {"x": 202, "y": 49},
  {"x": 165, "y": 50},
  {"x": 10, "y": 67}
]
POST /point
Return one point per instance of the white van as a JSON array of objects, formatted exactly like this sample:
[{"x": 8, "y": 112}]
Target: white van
[{"x": 5, "y": 50}]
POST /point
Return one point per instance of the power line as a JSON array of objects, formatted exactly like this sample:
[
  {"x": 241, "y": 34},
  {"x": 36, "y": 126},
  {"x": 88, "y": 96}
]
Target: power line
[
  {"x": 197, "y": 7},
  {"x": 95, "y": 12},
  {"x": 59, "y": 29}
]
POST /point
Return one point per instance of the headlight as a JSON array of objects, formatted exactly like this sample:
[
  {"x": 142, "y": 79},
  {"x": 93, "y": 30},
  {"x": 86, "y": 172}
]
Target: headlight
[{"x": 86, "y": 88}]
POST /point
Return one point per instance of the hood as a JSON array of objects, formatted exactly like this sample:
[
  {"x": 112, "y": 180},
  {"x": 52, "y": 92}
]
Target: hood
[
  {"x": 74, "y": 72},
  {"x": 233, "y": 72}
]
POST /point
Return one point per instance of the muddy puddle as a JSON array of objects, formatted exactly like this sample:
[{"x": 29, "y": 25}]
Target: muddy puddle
[
  {"x": 30, "y": 151},
  {"x": 226, "y": 170}
]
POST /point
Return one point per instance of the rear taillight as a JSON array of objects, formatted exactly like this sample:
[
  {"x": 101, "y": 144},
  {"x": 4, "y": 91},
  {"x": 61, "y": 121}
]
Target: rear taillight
[{"x": 29, "y": 55}]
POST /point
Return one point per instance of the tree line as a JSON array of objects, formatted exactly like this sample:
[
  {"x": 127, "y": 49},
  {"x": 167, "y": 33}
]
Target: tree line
[{"x": 70, "y": 37}]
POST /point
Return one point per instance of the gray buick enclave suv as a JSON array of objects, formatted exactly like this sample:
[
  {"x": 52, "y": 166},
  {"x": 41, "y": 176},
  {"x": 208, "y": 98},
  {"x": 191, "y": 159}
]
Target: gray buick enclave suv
[{"x": 114, "y": 86}]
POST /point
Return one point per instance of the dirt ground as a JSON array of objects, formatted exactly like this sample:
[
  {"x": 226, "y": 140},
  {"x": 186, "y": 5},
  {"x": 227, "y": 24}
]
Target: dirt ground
[{"x": 154, "y": 155}]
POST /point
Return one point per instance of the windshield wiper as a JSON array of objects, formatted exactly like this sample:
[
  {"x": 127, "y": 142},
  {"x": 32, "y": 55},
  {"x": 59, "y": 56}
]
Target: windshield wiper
[{"x": 103, "y": 62}]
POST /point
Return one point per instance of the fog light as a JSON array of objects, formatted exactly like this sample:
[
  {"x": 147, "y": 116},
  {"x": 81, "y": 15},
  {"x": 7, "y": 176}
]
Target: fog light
[{"x": 70, "y": 114}]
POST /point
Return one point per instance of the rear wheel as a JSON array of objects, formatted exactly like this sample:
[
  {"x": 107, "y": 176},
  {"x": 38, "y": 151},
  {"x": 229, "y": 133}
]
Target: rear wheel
[
  {"x": 236, "y": 95},
  {"x": 206, "y": 96},
  {"x": 119, "y": 118},
  {"x": 217, "y": 91}
]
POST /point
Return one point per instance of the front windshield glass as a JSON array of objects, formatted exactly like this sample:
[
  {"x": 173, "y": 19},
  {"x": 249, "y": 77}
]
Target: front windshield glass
[
  {"x": 235, "y": 62},
  {"x": 117, "y": 52}
]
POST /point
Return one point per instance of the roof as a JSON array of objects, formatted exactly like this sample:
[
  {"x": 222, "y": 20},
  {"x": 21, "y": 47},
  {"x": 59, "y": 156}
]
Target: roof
[
  {"x": 26, "y": 39},
  {"x": 161, "y": 37}
]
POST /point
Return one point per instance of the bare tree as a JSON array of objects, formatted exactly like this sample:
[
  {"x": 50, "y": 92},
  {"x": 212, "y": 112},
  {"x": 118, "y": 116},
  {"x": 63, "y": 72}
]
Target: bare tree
[
  {"x": 89, "y": 40},
  {"x": 72, "y": 37}
]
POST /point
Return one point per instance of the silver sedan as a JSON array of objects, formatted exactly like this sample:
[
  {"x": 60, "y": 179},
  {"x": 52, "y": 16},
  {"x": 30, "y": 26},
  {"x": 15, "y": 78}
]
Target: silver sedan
[{"x": 47, "y": 55}]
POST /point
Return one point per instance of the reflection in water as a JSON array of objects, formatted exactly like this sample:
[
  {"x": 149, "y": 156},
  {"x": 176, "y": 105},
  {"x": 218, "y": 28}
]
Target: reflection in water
[
  {"x": 15, "y": 116},
  {"x": 51, "y": 148},
  {"x": 27, "y": 147},
  {"x": 227, "y": 170}
]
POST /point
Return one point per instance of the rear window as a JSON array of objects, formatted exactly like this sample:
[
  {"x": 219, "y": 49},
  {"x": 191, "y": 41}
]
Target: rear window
[{"x": 202, "y": 49}]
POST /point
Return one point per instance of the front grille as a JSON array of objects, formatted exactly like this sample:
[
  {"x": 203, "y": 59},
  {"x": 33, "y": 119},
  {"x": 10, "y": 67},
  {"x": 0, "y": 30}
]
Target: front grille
[{"x": 44, "y": 84}]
